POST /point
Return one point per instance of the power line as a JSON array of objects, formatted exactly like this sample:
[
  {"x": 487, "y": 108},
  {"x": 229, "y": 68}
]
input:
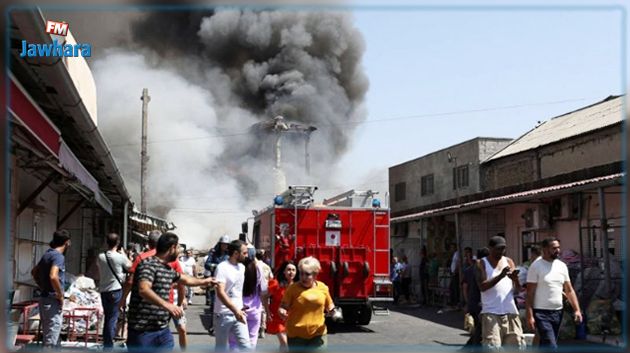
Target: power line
[{"x": 359, "y": 122}]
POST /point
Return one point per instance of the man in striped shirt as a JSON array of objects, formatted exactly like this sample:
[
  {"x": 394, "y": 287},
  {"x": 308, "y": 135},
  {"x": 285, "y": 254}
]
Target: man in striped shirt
[{"x": 150, "y": 309}]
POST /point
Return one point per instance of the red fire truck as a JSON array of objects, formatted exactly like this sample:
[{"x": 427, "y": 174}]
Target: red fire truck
[{"x": 348, "y": 234}]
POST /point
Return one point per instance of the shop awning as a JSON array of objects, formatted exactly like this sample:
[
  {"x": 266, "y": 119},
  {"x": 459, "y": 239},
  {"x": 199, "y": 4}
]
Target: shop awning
[
  {"x": 71, "y": 163},
  {"x": 28, "y": 113},
  {"x": 30, "y": 116},
  {"x": 549, "y": 191}
]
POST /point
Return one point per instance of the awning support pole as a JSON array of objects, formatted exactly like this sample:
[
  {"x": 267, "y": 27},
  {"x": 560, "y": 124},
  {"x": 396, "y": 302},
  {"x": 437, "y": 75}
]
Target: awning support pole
[
  {"x": 67, "y": 215},
  {"x": 24, "y": 205},
  {"x": 604, "y": 238},
  {"x": 125, "y": 229}
]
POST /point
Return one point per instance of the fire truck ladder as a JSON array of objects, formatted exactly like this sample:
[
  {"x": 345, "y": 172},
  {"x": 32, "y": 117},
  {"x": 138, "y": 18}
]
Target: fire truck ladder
[{"x": 379, "y": 310}]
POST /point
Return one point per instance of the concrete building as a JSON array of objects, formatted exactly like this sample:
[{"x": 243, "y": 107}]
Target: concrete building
[
  {"x": 564, "y": 178},
  {"x": 61, "y": 172},
  {"x": 435, "y": 180}
]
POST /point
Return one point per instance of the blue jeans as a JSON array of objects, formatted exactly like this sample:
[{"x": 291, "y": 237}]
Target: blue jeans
[
  {"x": 110, "y": 302},
  {"x": 226, "y": 325},
  {"x": 149, "y": 341},
  {"x": 51, "y": 317},
  {"x": 548, "y": 327}
]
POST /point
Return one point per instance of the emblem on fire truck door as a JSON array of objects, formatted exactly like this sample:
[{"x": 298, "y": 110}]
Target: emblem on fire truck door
[{"x": 332, "y": 237}]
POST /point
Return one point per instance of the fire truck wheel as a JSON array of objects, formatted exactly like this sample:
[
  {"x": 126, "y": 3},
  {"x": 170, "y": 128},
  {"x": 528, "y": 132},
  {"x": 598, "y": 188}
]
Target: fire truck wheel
[
  {"x": 333, "y": 268},
  {"x": 346, "y": 269},
  {"x": 364, "y": 315},
  {"x": 366, "y": 269},
  {"x": 349, "y": 314}
]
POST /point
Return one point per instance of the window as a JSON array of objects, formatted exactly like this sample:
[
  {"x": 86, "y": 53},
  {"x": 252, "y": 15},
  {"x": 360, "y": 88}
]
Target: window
[
  {"x": 460, "y": 177},
  {"x": 399, "y": 191},
  {"x": 426, "y": 185}
]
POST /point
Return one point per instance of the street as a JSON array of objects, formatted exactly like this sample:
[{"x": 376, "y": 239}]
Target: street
[{"x": 406, "y": 328}]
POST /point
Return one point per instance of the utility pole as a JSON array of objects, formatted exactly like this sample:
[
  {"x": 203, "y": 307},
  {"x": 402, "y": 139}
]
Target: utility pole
[
  {"x": 458, "y": 236},
  {"x": 308, "y": 130},
  {"x": 144, "y": 158}
]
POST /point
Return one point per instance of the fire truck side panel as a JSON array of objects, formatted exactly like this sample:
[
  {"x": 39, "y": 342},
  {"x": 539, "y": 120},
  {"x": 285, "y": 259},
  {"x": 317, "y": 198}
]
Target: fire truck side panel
[
  {"x": 326, "y": 256},
  {"x": 353, "y": 250}
]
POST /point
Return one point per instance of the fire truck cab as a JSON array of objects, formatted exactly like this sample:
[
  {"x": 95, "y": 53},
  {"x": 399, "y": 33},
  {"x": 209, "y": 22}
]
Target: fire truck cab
[{"x": 348, "y": 234}]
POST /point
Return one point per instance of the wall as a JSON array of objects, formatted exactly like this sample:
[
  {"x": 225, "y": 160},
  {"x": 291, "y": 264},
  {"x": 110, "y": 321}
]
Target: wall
[
  {"x": 566, "y": 231},
  {"x": 477, "y": 227},
  {"x": 601, "y": 148},
  {"x": 83, "y": 80},
  {"x": 488, "y": 147},
  {"x": 468, "y": 152},
  {"x": 34, "y": 228},
  {"x": 514, "y": 226},
  {"x": 80, "y": 226},
  {"x": 512, "y": 170},
  {"x": 582, "y": 152}
]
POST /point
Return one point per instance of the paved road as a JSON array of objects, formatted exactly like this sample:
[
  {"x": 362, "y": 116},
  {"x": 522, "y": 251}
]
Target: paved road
[{"x": 406, "y": 328}]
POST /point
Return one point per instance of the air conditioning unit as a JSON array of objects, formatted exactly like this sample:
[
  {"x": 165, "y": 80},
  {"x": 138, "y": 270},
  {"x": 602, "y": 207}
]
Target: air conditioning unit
[
  {"x": 565, "y": 208},
  {"x": 537, "y": 217}
]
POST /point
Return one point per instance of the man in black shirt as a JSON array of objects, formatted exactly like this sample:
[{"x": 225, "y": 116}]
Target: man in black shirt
[{"x": 149, "y": 309}]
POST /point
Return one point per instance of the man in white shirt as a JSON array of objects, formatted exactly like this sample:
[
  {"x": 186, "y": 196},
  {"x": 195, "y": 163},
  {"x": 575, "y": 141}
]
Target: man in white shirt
[
  {"x": 229, "y": 313},
  {"x": 112, "y": 266},
  {"x": 547, "y": 279},
  {"x": 188, "y": 263}
]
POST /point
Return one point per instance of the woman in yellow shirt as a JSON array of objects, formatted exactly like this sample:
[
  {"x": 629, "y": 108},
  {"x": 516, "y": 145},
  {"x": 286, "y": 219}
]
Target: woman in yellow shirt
[{"x": 305, "y": 305}]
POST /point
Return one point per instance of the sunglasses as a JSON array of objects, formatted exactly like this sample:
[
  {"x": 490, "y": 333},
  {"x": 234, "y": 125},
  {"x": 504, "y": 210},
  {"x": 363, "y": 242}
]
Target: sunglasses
[{"x": 308, "y": 274}]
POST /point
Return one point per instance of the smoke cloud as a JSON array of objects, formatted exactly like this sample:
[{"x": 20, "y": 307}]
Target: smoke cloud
[{"x": 216, "y": 79}]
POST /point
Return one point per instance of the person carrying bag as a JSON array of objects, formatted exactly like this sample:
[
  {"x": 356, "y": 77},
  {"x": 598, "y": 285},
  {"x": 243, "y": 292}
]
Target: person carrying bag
[{"x": 112, "y": 267}]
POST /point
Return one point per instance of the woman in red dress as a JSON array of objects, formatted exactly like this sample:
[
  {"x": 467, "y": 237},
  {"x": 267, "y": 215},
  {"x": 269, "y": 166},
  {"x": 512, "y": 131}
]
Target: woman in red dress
[{"x": 275, "y": 325}]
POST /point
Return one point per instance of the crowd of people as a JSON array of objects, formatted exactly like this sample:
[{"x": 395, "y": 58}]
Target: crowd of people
[
  {"x": 489, "y": 284},
  {"x": 145, "y": 291},
  {"x": 142, "y": 292}
]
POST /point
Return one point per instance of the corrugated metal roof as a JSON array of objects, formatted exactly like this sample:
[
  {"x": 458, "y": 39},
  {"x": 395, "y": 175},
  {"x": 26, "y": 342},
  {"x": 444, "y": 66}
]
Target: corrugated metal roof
[
  {"x": 519, "y": 196},
  {"x": 593, "y": 117}
]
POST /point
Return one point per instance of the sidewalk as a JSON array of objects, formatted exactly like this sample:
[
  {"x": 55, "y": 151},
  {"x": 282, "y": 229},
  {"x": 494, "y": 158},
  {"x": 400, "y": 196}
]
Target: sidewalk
[{"x": 455, "y": 318}]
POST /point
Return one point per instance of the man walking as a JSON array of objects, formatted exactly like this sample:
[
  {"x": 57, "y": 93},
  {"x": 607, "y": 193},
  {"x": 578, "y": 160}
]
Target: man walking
[
  {"x": 180, "y": 323},
  {"x": 49, "y": 274},
  {"x": 405, "y": 276},
  {"x": 455, "y": 282},
  {"x": 268, "y": 275},
  {"x": 497, "y": 279},
  {"x": 112, "y": 266},
  {"x": 395, "y": 272},
  {"x": 229, "y": 313},
  {"x": 547, "y": 279},
  {"x": 150, "y": 309},
  {"x": 472, "y": 295}
]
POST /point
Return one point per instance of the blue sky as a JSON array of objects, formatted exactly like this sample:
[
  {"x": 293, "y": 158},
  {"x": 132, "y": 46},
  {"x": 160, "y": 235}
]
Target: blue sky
[{"x": 422, "y": 62}]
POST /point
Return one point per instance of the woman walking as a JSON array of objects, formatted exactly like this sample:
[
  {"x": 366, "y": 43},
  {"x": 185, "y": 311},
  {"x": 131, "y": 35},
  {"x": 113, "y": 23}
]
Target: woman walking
[
  {"x": 277, "y": 286},
  {"x": 254, "y": 290},
  {"x": 305, "y": 305}
]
